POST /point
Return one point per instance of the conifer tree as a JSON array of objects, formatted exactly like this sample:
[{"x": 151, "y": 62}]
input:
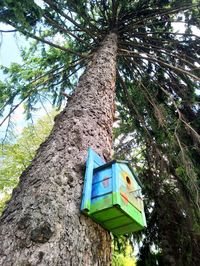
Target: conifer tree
[{"x": 133, "y": 48}]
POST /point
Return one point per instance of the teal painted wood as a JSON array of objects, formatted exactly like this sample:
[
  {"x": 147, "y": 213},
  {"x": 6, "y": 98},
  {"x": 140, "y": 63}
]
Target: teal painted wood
[
  {"x": 93, "y": 161},
  {"x": 99, "y": 203},
  {"x": 115, "y": 184},
  {"x": 125, "y": 167},
  {"x": 102, "y": 188},
  {"x": 100, "y": 175},
  {"x": 102, "y": 183}
]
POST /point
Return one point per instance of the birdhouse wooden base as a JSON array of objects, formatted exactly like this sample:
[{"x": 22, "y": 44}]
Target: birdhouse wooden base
[{"x": 112, "y": 195}]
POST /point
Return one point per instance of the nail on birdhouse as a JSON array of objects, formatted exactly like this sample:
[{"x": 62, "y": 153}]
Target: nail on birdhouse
[{"x": 112, "y": 195}]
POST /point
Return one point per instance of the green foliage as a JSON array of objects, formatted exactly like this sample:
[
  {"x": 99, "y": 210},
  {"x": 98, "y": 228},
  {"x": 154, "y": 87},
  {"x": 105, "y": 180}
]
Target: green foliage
[
  {"x": 4, "y": 198},
  {"x": 122, "y": 253},
  {"x": 16, "y": 157},
  {"x": 21, "y": 13}
]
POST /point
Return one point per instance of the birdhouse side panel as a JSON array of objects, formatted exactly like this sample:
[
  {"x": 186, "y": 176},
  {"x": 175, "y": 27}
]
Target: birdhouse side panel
[
  {"x": 131, "y": 210},
  {"x": 101, "y": 175},
  {"x": 102, "y": 183},
  {"x": 129, "y": 188},
  {"x": 101, "y": 203},
  {"x": 127, "y": 177},
  {"x": 101, "y": 190}
]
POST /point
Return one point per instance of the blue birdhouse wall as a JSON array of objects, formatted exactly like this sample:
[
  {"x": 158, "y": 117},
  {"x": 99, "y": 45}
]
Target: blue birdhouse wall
[{"x": 112, "y": 195}]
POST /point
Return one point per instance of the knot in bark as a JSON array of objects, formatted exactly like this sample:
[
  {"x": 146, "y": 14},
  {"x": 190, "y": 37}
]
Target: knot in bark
[{"x": 42, "y": 233}]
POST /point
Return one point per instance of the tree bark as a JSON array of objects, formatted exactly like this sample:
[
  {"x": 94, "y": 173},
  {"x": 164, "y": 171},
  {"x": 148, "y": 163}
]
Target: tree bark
[{"x": 42, "y": 224}]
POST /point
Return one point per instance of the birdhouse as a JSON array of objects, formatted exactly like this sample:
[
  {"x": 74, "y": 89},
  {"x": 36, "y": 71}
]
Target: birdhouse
[{"x": 112, "y": 195}]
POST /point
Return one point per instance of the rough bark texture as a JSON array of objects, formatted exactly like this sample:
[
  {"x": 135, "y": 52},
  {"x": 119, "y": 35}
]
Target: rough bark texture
[{"x": 42, "y": 224}]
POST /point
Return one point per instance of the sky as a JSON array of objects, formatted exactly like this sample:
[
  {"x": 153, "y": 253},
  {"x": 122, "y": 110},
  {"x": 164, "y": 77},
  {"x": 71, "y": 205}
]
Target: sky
[
  {"x": 9, "y": 50},
  {"x": 10, "y": 44}
]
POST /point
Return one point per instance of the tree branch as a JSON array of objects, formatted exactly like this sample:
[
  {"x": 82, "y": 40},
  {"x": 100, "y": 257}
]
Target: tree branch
[
  {"x": 57, "y": 9},
  {"x": 162, "y": 50},
  {"x": 160, "y": 13},
  {"x": 7, "y": 31},
  {"x": 150, "y": 58},
  {"x": 62, "y": 29}
]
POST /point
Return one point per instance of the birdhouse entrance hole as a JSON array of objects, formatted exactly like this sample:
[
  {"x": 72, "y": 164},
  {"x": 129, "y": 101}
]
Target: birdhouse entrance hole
[{"x": 128, "y": 180}]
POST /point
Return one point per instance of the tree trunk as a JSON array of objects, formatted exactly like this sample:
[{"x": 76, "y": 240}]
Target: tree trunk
[{"x": 42, "y": 224}]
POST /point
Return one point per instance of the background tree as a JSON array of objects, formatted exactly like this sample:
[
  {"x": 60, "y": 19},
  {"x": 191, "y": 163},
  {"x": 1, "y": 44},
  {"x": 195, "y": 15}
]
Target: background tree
[
  {"x": 156, "y": 85},
  {"x": 122, "y": 252},
  {"x": 17, "y": 154}
]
